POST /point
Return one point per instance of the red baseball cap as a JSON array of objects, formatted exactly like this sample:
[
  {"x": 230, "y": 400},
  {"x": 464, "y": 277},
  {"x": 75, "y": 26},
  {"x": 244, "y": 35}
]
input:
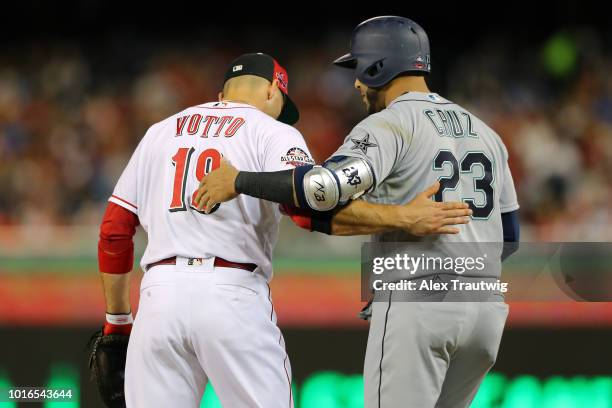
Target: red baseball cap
[{"x": 265, "y": 66}]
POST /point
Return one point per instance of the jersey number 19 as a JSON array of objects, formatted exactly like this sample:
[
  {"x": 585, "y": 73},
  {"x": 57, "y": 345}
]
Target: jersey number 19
[{"x": 208, "y": 160}]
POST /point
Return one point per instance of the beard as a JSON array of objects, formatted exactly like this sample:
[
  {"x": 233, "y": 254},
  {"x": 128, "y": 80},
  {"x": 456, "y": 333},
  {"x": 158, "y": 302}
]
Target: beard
[{"x": 374, "y": 101}]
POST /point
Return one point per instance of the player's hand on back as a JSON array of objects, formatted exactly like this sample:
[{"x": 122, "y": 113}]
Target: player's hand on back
[
  {"x": 217, "y": 187},
  {"x": 424, "y": 216}
]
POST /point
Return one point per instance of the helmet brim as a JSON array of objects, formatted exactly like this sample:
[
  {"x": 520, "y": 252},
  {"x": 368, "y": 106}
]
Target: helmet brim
[{"x": 346, "y": 61}]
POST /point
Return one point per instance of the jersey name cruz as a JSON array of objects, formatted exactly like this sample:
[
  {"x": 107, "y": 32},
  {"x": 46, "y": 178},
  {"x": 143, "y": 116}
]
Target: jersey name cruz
[
  {"x": 209, "y": 125},
  {"x": 451, "y": 123}
]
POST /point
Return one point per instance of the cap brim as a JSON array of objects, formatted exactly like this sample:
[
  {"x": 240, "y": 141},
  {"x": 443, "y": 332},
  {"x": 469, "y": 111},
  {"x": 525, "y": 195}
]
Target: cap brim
[
  {"x": 346, "y": 61},
  {"x": 290, "y": 113}
]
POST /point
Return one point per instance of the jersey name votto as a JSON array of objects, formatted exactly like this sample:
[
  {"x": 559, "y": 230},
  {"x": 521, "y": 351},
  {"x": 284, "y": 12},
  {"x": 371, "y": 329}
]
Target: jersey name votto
[{"x": 208, "y": 125}]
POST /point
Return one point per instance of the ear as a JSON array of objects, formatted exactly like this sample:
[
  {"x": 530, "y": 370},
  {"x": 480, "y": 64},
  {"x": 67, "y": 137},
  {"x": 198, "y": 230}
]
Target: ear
[
  {"x": 273, "y": 88},
  {"x": 220, "y": 96}
]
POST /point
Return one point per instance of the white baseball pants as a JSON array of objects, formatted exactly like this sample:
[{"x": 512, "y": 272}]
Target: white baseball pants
[{"x": 200, "y": 323}]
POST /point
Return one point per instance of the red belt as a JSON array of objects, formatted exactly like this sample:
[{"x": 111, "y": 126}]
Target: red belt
[{"x": 219, "y": 262}]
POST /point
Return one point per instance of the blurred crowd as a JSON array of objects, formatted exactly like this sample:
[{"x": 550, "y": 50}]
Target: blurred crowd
[{"x": 69, "y": 121}]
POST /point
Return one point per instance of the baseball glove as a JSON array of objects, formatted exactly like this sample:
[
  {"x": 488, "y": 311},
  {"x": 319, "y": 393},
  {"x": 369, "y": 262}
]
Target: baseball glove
[{"x": 107, "y": 355}]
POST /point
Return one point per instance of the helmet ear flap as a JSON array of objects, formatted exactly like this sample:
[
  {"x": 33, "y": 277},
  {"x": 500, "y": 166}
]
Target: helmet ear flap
[
  {"x": 375, "y": 69},
  {"x": 372, "y": 72}
]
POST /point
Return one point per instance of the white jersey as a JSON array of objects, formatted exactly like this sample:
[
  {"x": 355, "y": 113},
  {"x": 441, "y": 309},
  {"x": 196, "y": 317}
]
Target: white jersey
[{"x": 163, "y": 174}]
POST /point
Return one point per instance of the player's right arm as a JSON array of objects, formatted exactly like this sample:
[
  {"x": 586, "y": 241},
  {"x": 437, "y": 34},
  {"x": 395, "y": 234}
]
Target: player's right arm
[{"x": 421, "y": 216}]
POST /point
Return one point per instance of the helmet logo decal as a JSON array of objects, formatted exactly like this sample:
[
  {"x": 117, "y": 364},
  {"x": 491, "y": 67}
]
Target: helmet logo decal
[{"x": 421, "y": 63}]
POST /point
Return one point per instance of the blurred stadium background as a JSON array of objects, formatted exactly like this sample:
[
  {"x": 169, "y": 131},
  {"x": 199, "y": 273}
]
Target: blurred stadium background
[{"x": 81, "y": 82}]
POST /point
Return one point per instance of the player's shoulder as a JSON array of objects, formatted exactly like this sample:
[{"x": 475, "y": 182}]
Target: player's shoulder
[
  {"x": 383, "y": 119},
  {"x": 401, "y": 110},
  {"x": 385, "y": 122},
  {"x": 417, "y": 101}
]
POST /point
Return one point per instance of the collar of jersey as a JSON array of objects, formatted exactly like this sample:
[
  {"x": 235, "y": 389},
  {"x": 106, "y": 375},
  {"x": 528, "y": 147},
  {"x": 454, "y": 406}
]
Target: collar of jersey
[
  {"x": 211, "y": 104},
  {"x": 415, "y": 96}
]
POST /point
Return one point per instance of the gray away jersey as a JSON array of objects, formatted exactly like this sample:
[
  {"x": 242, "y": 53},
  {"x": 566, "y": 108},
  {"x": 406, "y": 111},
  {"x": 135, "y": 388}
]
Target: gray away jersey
[{"x": 420, "y": 138}]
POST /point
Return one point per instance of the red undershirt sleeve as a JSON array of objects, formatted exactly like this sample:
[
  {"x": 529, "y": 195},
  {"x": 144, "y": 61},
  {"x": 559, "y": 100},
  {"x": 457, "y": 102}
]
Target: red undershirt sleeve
[{"x": 116, "y": 245}]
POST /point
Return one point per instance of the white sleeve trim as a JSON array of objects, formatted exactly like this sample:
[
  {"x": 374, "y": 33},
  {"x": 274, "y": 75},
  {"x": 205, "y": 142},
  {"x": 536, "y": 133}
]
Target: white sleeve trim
[{"x": 123, "y": 203}]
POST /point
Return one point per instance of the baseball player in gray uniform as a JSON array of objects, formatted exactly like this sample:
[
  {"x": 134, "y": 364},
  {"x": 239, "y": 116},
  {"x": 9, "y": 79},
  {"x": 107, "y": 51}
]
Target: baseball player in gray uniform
[{"x": 419, "y": 354}]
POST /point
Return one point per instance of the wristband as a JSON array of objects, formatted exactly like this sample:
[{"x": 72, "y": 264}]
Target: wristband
[
  {"x": 118, "y": 324},
  {"x": 119, "y": 318}
]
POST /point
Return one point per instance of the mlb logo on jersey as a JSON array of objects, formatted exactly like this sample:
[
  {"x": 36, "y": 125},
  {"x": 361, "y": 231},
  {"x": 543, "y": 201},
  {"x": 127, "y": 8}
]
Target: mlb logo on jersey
[{"x": 195, "y": 262}]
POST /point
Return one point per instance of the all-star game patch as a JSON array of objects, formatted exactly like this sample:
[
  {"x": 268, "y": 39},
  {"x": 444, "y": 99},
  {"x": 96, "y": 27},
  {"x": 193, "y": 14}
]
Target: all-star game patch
[{"x": 296, "y": 157}]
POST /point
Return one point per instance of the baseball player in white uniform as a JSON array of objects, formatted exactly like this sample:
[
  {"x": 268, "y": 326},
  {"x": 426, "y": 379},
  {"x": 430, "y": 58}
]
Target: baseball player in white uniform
[
  {"x": 205, "y": 311},
  {"x": 419, "y": 354}
]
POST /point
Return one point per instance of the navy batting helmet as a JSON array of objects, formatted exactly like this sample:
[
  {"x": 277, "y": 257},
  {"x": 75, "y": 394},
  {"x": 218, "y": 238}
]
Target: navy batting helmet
[{"x": 384, "y": 47}]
